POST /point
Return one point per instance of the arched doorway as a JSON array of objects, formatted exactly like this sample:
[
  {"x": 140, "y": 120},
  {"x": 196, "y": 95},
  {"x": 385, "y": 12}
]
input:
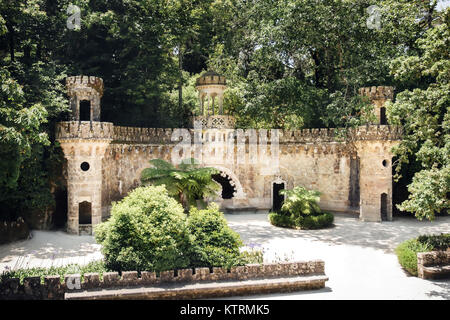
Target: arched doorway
[
  {"x": 85, "y": 213},
  {"x": 277, "y": 198},
  {"x": 85, "y": 110},
  {"x": 228, "y": 188}
]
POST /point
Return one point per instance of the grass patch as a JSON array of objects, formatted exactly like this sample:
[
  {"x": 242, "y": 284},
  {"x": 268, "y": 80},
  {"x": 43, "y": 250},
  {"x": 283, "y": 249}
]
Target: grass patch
[{"x": 95, "y": 266}]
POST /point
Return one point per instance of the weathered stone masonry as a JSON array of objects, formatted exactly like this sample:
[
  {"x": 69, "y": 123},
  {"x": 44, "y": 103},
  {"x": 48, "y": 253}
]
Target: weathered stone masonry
[
  {"x": 239, "y": 280},
  {"x": 357, "y": 166}
]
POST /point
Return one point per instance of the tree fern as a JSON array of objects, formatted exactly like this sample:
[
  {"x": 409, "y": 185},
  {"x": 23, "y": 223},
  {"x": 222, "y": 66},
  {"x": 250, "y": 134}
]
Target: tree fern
[{"x": 188, "y": 182}]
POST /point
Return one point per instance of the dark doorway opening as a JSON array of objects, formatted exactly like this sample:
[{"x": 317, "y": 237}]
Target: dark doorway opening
[
  {"x": 354, "y": 194},
  {"x": 384, "y": 206},
  {"x": 85, "y": 110},
  {"x": 277, "y": 198},
  {"x": 227, "y": 189},
  {"x": 60, "y": 214},
  {"x": 85, "y": 213},
  {"x": 383, "y": 119}
]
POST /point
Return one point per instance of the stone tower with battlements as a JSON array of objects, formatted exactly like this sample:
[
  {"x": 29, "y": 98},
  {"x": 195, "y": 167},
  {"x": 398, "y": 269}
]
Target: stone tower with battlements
[
  {"x": 375, "y": 158},
  {"x": 84, "y": 144}
]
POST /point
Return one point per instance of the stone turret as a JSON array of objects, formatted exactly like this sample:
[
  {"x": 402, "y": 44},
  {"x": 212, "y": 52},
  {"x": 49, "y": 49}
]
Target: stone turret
[
  {"x": 85, "y": 93},
  {"x": 378, "y": 96},
  {"x": 210, "y": 87},
  {"x": 376, "y": 159},
  {"x": 84, "y": 144}
]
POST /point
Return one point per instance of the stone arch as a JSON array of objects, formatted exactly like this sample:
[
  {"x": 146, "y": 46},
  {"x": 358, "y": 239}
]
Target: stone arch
[{"x": 239, "y": 194}]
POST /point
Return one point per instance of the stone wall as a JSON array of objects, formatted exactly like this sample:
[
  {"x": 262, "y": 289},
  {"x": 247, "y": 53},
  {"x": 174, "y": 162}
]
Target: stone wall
[
  {"x": 434, "y": 264},
  {"x": 54, "y": 288},
  {"x": 319, "y": 159}
]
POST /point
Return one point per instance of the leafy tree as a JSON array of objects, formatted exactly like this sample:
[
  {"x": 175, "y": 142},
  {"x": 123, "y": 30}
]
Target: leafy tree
[
  {"x": 187, "y": 183},
  {"x": 426, "y": 128}
]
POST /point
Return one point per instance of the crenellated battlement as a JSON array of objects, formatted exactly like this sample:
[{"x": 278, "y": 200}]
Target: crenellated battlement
[
  {"x": 87, "y": 83},
  {"x": 84, "y": 130},
  {"x": 164, "y": 135},
  {"x": 377, "y": 93}
]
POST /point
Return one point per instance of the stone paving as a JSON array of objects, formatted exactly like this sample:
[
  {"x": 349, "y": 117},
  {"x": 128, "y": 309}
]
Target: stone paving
[{"x": 359, "y": 257}]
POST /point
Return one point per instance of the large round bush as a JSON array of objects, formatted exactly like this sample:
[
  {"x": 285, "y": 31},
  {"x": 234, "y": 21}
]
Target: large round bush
[
  {"x": 147, "y": 231},
  {"x": 216, "y": 244}
]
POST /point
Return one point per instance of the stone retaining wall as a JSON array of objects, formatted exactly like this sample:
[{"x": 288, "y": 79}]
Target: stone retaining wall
[
  {"x": 54, "y": 288},
  {"x": 434, "y": 264}
]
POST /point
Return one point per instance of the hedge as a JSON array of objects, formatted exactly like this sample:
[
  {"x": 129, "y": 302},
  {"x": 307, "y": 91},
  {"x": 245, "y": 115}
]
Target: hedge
[
  {"x": 320, "y": 221},
  {"x": 407, "y": 250}
]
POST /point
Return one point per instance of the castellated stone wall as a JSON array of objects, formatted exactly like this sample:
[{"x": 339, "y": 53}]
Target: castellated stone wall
[{"x": 318, "y": 159}]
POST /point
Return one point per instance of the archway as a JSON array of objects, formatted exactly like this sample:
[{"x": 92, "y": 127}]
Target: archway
[
  {"x": 85, "y": 213},
  {"x": 234, "y": 181},
  {"x": 228, "y": 189}
]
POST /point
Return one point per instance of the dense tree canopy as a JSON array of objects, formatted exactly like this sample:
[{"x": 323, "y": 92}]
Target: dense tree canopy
[{"x": 289, "y": 63}]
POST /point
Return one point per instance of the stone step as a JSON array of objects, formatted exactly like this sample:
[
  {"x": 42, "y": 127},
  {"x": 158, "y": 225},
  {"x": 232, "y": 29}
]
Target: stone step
[{"x": 203, "y": 290}]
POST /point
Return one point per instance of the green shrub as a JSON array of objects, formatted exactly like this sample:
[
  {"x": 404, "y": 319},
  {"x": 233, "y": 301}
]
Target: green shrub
[
  {"x": 281, "y": 220},
  {"x": 300, "y": 209},
  {"x": 301, "y": 201},
  {"x": 407, "y": 254},
  {"x": 147, "y": 231},
  {"x": 216, "y": 244},
  {"x": 437, "y": 242}
]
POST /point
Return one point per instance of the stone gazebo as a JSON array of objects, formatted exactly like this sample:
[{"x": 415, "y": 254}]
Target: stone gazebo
[{"x": 211, "y": 87}]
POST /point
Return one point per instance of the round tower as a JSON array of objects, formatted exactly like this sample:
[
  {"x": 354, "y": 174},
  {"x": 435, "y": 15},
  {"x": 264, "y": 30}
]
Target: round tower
[
  {"x": 211, "y": 86},
  {"x": 84, "y": 141},
  {"x": 378, "y": 96}
]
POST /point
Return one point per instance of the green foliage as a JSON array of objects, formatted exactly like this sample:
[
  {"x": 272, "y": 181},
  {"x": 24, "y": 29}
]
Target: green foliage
[
  {"x": 426, "y": 129},
  {"x": 216, "y": 243},
  {"x": 407, "y": 254},
  {"x": 301, "y": 201},
  {"x": 308, "y": 222},
  {"x": 147, "y": 231},
  {"x": 281, "y": 220},
  {"x": 95, "y": 266},
  {"x": 188, "y": 182},
  {"x": 436, "y": 241},
  {"x": 301, "y": 209}
]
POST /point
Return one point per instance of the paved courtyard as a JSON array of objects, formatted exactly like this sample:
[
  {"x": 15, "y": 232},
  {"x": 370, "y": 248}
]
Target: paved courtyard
[{"x": 359, "y": 257}]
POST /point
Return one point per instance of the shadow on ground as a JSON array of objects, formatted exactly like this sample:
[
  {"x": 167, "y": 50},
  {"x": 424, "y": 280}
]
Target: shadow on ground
[{"x": 348, "y": 230}]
